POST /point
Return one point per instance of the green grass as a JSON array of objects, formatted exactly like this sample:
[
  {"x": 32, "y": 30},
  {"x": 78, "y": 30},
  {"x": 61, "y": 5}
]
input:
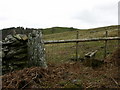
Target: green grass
[
  {"x": 54, "y": 30},
  {"x": 62, "y": 52},
  {"x": 58, "y": 30}
]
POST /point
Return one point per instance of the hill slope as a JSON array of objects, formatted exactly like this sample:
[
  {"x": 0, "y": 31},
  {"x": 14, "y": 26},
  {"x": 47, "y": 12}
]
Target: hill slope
[{"x": 52, "y": 30}]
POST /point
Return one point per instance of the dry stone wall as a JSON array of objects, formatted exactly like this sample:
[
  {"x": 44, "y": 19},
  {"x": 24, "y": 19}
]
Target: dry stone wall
[
  {"x": 20, "y": 50},
  {"x": 14, "y": 52}
]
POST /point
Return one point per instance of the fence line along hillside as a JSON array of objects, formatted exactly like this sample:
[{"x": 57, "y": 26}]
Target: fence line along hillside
[
  {"x": 62, "y": 50},
  {"x": 74, "y": 45}
]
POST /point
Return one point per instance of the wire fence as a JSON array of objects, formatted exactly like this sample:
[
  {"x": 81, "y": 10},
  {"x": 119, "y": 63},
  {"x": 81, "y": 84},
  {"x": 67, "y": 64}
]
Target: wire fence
[{"x": 62, "y": 52}]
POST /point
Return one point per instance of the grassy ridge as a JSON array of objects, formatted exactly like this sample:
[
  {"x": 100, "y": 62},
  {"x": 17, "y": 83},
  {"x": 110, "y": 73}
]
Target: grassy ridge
[
  {"x": 54, "y": 30},
  {"x": 82, "y": 34},
  {"x": 57, "y": 30}
]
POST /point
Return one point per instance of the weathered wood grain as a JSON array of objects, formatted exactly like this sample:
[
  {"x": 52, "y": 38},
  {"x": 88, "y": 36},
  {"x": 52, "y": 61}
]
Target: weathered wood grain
[{"x": 81, "y": 40}]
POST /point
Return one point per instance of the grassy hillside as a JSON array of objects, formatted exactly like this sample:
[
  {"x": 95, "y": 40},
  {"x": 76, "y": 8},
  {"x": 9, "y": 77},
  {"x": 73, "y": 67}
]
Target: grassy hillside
[
  {"x": 66, "y": 51},
  {"x": 54, "y": 30},
  {"x": 70, "y": 33}
]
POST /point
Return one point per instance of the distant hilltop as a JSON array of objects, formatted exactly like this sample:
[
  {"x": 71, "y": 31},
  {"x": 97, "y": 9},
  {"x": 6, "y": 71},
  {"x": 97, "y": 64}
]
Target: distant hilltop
[{"x": 21, "y": 30}]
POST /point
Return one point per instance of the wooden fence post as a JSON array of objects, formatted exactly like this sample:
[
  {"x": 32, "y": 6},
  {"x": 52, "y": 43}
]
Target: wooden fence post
[
  {"x": 36, "y": 50},
  {"x": 118, "y": 36},
  {"x": 77, "y": 46},
  {"x": 106, "y": 34}
]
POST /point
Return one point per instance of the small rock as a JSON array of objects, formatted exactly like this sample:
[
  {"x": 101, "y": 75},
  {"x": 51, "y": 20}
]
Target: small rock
[
  {"x": 21, "y": 37},
  {"x": 18, "y": 36},
  {"x": 1, "y": 55},
  {"x": 74, "y": 81},
  {"x": 10, "y": 38},
  {"x": 24, "y": 37}
]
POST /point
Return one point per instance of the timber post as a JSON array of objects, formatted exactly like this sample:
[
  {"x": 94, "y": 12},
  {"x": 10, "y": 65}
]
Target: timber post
[
  {"x": 106, "y": 35},
  {"x": 77, "y": 46},
  {"x": 118, "y": 36}
]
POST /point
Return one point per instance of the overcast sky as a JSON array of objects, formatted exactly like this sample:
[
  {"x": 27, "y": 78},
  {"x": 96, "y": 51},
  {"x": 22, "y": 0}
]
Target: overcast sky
[{"x": 80, "y": 14}]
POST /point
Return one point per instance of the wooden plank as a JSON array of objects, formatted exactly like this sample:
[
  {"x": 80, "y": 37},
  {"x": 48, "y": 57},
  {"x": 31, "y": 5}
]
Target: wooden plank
[
  {"x": 91, "y": 54},
  {"x": 81, "y": 40}
]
